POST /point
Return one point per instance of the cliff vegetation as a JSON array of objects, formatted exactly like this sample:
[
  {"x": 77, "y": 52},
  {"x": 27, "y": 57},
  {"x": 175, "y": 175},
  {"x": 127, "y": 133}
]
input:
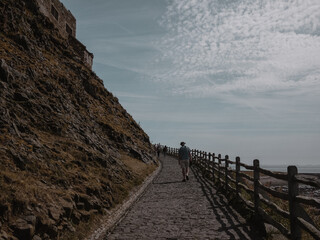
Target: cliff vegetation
[{"x": 68, "y": 150}]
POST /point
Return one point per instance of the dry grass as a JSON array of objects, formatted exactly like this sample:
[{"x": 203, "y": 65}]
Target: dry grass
[
  {"x": 73, "y": 160},
  {"x": 137, "y": 166},
  {"x": 140, "y": 170}
]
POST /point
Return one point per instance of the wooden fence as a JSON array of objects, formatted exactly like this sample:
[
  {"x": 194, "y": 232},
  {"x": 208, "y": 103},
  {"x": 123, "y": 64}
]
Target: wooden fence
[{"x": 249, "y": 190}]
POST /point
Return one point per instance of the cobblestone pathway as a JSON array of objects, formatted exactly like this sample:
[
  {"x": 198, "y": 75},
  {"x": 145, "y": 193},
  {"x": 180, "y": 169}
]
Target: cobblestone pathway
[{"x": 172, "y": 209}]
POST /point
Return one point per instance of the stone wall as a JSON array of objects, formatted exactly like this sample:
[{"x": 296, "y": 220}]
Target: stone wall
[
  {"x": 88, "y": 58},
  {"x": 81, "y": 50},
  {"x": 59, "y": 16},
  {"x": 65, "y": 22}
]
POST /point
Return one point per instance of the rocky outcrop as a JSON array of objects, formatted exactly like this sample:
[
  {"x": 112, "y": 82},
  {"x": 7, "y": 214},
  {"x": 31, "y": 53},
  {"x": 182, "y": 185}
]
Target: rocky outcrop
[{"x": 63, "y": 136}]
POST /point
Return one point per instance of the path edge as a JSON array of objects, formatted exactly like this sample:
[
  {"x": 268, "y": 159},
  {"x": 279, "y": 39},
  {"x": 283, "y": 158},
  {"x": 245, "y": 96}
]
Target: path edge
[{"x": 115, "y": 215}]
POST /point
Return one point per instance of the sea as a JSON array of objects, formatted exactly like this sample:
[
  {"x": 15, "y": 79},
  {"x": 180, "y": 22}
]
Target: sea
[{"x": 301, "y": 168}]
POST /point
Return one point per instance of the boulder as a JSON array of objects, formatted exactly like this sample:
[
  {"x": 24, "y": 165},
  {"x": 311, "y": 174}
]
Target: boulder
[
  {"x": 48, "y": 226},
  {"x": 18, "y": 96},
  {"x": 55, "y": 213},
  {"x": 19, "y": 162},
  {"x": 23, "y": 230},
  {"x": 23, "y": 41},
  {"x": 4, "y": 209},
  {"x": 4, "y": 71},
  {"x": 31, "y": 219},
  {"x": 135, "y": 153},
  {"x": 85, "y": 216},
  {"x": 68, "y": 208},
  {"x": 76, "y": 217},
  {"x": 3, "y": 235}
]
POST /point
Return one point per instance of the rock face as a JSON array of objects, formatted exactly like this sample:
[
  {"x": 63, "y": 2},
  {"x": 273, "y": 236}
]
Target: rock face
[{"x": 64, "y": 139}]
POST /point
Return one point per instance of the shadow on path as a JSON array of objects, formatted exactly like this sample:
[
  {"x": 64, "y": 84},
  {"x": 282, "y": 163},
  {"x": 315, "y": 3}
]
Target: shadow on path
[
  {"x": 168, "y": 182},
  {"x": 172, "y": 209},
  {"x": 219, "y": 202}
]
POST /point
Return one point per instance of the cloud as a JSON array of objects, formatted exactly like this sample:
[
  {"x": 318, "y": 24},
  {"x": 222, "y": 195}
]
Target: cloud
[
  {"x": 247, "y": 46},
  {"x": 134, "y": 96}
]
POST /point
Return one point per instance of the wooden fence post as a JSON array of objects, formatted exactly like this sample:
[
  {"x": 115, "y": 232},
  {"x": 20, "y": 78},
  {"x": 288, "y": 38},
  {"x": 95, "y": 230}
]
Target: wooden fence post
[
  {"x": 201, "y": 157},
  {"x": 202, "y": 160},
  {"x": 226, "y": 172},
  {"x": 213, "y": 159},
  {"x": 293, "y": 191},
  {"x": 219, "y": 170},
  {"x": 197, "y": 155},
  {"x": 208, "y": 164},
  {"x": 237, "y": 177},
  {"x": 256, "y": 178}
]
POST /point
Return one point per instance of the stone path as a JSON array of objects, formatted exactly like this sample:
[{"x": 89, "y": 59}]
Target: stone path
[{"x": 172, "y": 209}]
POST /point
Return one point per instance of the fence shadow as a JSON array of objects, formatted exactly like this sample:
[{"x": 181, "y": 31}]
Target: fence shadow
[{"x": 219, "y": 202}]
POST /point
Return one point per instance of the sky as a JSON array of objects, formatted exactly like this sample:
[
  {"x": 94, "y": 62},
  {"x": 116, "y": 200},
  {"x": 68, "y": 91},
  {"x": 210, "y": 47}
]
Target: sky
[{"x": 236, "y": 77}]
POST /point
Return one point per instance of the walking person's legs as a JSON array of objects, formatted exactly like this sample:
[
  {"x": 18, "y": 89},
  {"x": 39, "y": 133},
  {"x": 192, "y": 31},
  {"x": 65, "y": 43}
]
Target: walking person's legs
[
  {"x": 185, "y": 169},
  {"x": 184, "y": 174}
]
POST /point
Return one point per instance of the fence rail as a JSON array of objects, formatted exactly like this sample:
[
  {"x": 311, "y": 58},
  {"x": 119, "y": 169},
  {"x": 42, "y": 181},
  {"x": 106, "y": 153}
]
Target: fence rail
[{"x": 233, "y": 180}]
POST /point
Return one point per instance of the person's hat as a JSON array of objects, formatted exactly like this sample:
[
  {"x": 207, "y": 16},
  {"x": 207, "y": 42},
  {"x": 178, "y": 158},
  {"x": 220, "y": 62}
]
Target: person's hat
[{"x": 182, "y": 143}]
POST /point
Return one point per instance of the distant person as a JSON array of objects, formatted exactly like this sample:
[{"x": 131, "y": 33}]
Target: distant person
[
  {"x": 165, "y": 150},
  {"x": 184, "y": 160},
  {"x": 158, "y": 150},
  {"x": 155, "y": 149}
]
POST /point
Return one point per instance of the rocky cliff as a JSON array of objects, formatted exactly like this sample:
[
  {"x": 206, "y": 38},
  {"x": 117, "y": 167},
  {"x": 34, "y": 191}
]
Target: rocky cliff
[{"x": 68, "y": 150}]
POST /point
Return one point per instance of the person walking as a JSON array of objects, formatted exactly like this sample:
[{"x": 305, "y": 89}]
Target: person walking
[
  {"x": 164, "y": 150},
  {"x": 184, "y": 160},
  {"x": 158, "y": 150}
]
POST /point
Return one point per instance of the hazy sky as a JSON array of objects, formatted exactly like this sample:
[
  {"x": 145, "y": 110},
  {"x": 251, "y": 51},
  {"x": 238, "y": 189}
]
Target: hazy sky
[{"x": 237, "y": 77}]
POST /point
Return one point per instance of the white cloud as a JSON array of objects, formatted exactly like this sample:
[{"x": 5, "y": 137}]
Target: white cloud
[
  {"x": 245, "y": 46},
  {"x": 250, "y": 70},
  {"x": 134, "y": 96}
]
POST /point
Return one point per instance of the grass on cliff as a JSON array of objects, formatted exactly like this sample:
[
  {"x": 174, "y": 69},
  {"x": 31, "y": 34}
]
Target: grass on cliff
[
  {"x": 58, "y": 166},
  {"x": 140, "y": 170},
  {"x": 20, "y": 191},
  {"x": 138, "y": 167}
]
